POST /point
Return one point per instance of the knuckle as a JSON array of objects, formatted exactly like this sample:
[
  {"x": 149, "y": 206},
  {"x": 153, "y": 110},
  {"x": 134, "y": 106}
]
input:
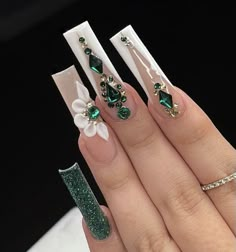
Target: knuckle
[
  {"x": 147, "y": 136},
  {"x": 152, "y": 242},
  {"x": 199, "y": 129},
  {"x": 115, "y": 179},
  {"x": 185, "y": 200}
]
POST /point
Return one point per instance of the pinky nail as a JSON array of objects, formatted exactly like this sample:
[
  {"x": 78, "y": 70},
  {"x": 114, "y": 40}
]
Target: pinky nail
[
  {"x": 84, "y": 198},
  {"x": 161, "y": 93},
  {"x": 76, "y": 96}
]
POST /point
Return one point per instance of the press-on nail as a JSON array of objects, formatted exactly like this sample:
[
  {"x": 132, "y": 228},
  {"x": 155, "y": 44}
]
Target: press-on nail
[
  {"x": 82, "y": 107},
  {"x": 84, "y": 198},
  {"x": 105, "y": 80},
  {"x": 161, "y": 93}
]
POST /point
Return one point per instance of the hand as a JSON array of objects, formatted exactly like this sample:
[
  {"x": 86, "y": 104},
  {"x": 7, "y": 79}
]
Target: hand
[
  {"x": 151, "y": 167},
  {"x": 150, "y": 172}
]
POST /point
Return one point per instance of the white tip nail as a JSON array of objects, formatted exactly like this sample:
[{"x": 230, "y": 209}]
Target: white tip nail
[
  {"x": 78, "y": 101},
  {"x": 129, "y": 60},
  {"x": 65, "y": 82},
  {"x": 84, "y": 30}
]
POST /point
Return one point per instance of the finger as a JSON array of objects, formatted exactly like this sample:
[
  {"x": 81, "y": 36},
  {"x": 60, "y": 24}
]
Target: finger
[
  {"x": 208, "y": 154},
  {"x": 139, "y": 223},
  {"x": 130, "y": 113},
  {"x": 201, "y": 145},
  {"x": 112, "y": 243},
  {"x": 114, "y": 174},
  {"x": 162, "y": 170}
]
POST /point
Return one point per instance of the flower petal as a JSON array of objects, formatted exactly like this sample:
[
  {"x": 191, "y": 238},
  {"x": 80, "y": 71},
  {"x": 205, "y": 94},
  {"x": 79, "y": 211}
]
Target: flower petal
[
  {"x": 102, "y": 131},
  {"x": 80, "y": 121},
  {"x": 83, "y": 92},
  {"x": 90, "y": 130},
  {"x": 78, "y": 106}
]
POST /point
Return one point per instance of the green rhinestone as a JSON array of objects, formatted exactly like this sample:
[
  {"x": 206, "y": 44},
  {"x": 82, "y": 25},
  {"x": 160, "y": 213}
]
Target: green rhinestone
[
  {"x": 88, "y": 51},
  {"x": 123, "y": 98},
  {"x": 165, "y": 99},
  {"x": 110, "y": 105},
  {"x": 110, "y": 78},
  {"x": 102, "y": 84},
  {"x": 157, "y": 85},
  {"x": 118, "y": 104},
  {"x": 95, "y": 64},
  {"x": 119, "y": 86},
  {"x": 93, "y": 112},
  {"x": 81, "y": 39},
  {"x": 113, "y": 95},
  {"x": 123, "y": 113}
]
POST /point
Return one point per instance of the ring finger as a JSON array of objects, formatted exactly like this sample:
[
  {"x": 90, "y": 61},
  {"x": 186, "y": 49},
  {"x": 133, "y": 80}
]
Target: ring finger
[{"x": 192, "y": 133}]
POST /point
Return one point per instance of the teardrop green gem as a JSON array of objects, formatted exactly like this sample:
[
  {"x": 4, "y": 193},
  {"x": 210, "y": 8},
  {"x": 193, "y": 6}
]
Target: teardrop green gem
[
  {"x": 113, "y": 95},
  {"x": 95, "y": 64}
]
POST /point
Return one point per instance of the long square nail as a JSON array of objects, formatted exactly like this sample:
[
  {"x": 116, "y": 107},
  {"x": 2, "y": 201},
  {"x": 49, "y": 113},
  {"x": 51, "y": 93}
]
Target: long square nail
[
  {"x": 100, "y": 71},
  {"x": 161, "y": 93},
  {"x": 77, "y": 98},
  {"x": 84, "y": 198}
]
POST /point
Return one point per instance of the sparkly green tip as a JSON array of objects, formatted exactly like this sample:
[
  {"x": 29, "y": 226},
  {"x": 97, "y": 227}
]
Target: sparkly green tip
[{"x": 84, "y": 198}]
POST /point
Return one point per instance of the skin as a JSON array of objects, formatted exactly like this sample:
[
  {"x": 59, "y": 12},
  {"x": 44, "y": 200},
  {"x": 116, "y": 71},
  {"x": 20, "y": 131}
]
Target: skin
[{"x": 150, "y": 171}]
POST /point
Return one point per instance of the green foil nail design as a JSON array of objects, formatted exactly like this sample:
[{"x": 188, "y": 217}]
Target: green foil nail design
[
  {"x": 112, "y": 92},
  {"x": 84, "y": 198}
]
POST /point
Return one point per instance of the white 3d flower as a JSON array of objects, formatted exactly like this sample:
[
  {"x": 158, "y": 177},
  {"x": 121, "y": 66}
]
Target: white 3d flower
[{"x": 88, "y": 115}]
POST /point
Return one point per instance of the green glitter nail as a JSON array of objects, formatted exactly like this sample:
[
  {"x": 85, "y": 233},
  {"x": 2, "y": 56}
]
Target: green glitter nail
[{"x": 84, "y": 198}]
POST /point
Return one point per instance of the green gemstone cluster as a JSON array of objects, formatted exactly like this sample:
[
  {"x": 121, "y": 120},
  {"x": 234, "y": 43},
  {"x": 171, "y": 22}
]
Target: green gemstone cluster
[
  {"x": 114, "y": 95},
  {"x": 112, "y": 92}
]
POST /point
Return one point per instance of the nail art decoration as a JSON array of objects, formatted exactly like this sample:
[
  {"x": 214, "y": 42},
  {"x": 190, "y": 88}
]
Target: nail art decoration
[
  {"x": 113, "y": 93},
  {"x": 87, "y": 115},
  {"x": 86, "y": 201},
  {"x": 160, "y": 88}
]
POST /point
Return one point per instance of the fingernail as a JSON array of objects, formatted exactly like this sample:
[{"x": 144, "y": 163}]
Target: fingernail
[
  {"x": 84, "y": 198},
  {"x": 76, "y": 96},
  {"x": 104, "y": 78},
  {"x": 161, "y": 93}
]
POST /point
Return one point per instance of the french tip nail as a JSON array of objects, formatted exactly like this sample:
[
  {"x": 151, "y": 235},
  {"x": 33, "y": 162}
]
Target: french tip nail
[
  {"x": 86, "y": 201},
  {"x": 103, "y": 76},
  {"x": 156, "y": 85},
  {"x": 64, "y": 81}
]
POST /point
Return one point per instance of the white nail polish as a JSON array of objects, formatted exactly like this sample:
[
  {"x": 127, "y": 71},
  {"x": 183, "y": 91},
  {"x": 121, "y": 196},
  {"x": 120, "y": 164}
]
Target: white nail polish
[
  {"x": 82, "y": 38},
  {"x": 146, "y": 70},
  {"x": 76, "y": 96}
]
